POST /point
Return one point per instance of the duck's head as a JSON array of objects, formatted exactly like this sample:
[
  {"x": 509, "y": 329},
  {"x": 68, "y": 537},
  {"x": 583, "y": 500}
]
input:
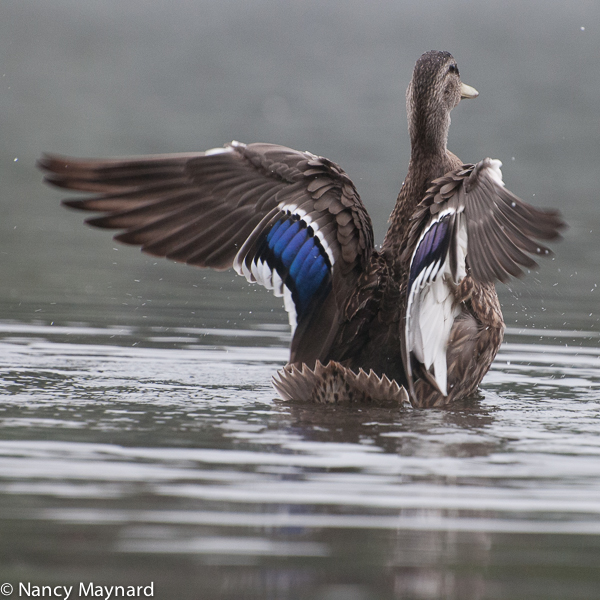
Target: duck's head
[{"x": 434, "y": 90}]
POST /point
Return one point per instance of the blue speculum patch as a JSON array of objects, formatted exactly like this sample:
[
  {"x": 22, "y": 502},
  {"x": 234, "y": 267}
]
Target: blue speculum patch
[
  {"x": 299, "y": 258},
  {"x": 433, "y": 247}
]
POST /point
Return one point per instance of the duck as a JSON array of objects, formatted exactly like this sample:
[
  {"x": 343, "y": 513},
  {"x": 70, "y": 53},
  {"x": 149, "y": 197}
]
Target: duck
[{"x": 414, "y": 321}]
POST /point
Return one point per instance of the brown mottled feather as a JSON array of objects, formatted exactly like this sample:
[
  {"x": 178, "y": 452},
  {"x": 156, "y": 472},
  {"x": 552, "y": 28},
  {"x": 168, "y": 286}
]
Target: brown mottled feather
[
  {"x": 202, "y": 208},
  {"x": 500, "y": 226},
  {"x": 334, "y": 384}
]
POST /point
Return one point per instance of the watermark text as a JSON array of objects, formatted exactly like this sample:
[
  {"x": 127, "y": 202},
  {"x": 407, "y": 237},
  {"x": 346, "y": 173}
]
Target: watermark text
[{"x": 88, "y": 589}]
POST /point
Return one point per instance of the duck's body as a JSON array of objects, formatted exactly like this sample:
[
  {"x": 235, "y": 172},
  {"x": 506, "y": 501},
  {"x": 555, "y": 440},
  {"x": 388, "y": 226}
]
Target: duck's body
[{"x": 420, "y": 314}]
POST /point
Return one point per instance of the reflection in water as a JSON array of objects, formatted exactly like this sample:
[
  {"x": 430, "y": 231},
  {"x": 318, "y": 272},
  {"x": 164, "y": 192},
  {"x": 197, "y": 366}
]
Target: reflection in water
[
  {"x": 404, "y": 431},
  {"x": 173, "y": 447}
]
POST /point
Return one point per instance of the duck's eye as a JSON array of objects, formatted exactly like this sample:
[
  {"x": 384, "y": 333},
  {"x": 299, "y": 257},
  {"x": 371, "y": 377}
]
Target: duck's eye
[{"x": 453, "y": 69}]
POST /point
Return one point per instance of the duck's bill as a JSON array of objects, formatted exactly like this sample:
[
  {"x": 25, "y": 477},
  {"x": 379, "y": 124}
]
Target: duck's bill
[{"x": 466, "y": 91}]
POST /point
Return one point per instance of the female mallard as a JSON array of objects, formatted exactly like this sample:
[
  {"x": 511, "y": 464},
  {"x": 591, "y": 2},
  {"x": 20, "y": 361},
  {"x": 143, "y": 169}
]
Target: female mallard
[{"x": 420, "y": 313}]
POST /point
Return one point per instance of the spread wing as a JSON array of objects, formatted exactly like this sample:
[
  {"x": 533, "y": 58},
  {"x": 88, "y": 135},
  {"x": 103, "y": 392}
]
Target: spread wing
[
  {"x": 288, "y": 220},
  {"x": 468, "y": 223}
]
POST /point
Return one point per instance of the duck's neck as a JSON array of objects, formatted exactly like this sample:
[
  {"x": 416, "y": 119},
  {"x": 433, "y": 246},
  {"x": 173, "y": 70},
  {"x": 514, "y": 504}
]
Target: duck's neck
[
  {"x": 424, "y": 167},
  {"x": 428, "y": 128}
]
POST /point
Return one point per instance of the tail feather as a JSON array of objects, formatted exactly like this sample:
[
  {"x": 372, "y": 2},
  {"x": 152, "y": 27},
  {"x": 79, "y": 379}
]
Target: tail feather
[{"x": 335, "y": 384}]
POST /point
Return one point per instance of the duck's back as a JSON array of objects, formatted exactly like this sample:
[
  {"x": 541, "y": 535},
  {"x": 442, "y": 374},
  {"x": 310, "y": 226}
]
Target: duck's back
[{"x": 370, "y": 335}]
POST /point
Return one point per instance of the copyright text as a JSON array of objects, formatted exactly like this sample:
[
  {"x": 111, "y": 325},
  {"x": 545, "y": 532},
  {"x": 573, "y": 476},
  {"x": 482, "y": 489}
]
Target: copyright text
[{"x": 83, "y": 590}]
